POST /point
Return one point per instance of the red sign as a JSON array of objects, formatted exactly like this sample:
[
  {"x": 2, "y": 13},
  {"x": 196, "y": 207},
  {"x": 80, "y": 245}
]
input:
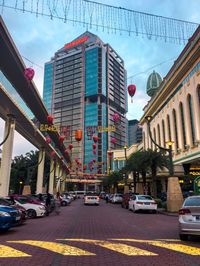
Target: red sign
[{"x": 76, "y": 42}]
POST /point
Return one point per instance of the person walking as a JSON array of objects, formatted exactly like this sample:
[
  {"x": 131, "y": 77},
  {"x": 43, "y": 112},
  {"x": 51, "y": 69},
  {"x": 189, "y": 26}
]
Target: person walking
[
  {"x": 57, "y": 203},
  {"x": 48, "y": 204},
  {"x": 107, "y": 197}
]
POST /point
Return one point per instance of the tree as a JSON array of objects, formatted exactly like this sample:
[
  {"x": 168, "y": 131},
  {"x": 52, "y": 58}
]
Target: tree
[{"x": 112, "y": 180}]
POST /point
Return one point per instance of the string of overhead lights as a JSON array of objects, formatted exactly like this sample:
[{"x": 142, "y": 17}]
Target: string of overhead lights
[{"x": 112, "y": 19}]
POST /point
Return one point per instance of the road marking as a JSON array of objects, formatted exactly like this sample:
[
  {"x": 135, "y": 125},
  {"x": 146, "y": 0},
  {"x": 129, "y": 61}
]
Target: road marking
[
  {"x": 8, "y": 252},
  {"x": 56, "y": 247},
  {"x": 175, "y": 247},
  {"x": 120, "y": 248}
]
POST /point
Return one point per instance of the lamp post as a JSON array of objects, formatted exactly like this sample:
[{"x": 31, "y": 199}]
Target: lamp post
[
  {"x": 174, "y": 194},
  {"x": 110, "y": 154},
  {"x": 126, "y": 188}
]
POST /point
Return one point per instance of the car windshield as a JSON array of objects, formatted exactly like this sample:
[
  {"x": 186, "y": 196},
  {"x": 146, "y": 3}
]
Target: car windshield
[
  {"x": 192, "y": 202},
  {"x": 22, "y": 200},
  {"x": 144, "y": 197}
]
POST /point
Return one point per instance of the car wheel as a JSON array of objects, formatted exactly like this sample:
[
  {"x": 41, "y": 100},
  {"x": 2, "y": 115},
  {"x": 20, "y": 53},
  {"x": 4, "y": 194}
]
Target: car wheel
[
  {"x": 63, "y": 203},
  {"x": 31, "y": 213},
  {"x": 183, "y": 237}
]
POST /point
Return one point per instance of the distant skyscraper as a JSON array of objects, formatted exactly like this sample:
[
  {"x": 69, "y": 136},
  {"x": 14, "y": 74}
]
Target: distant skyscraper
[
  {"x": 84, "y": 86},
  {"x": 134, "y": 132}
]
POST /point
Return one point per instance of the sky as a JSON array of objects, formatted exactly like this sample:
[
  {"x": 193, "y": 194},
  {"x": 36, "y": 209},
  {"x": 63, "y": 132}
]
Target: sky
[{"x": 38, "y": 38}]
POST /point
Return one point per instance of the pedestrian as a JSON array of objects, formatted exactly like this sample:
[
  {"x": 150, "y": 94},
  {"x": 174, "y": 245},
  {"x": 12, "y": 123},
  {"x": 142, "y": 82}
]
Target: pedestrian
[
  {"x": 57, "y": 203},
  {"x": 48, "y": 204},
  {"x": 107, "y": 197}
]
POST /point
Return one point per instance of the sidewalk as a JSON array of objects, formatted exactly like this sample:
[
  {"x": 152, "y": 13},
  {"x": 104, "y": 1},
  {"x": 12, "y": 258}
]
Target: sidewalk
[{"x": 163, "y": 211}]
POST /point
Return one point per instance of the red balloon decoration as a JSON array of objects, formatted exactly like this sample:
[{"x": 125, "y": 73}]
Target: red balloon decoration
[
  {"x": 48, "y": 140},
  {"x": 66, "y": 152},
  {"x": 95, "y": 138},
  {"x": 116, "y": 117},
  {"x": 50, "y": 119},
  {"x": 94, "y": 160},
  {"x": 113, "y": 140},
  {"x": 61, "y": 139},
  {"x": 78, "y": 135},
  {"x": 29, "y": 73},
  {"x": 53, "y": 153},
  {"x": 131, "y": 91},
  {"x": 94, "y": 146},
  {"x": 84, "y": 167},
  {"x": 94, "y": 152},
  {"x": 70, "y": 147},
  {"x": 110, "y": 153}
]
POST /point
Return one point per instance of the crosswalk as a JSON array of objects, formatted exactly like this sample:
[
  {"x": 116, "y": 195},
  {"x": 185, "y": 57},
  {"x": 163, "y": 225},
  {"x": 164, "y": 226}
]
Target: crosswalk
[{"x": 123, "y": 246}]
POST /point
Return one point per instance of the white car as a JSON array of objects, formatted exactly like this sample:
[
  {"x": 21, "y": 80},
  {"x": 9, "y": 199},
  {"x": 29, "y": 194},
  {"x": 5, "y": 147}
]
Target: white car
[
  {"x": 117, "y": 198},
  {"x": 32, "y": 210},
  {"x": 91, "y": 199},
  {"x": 142, "y": 202}
]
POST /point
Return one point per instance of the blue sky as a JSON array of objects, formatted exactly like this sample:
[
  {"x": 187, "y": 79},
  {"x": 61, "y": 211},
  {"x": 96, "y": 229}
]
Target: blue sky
[{"x": 38, "y": 38}]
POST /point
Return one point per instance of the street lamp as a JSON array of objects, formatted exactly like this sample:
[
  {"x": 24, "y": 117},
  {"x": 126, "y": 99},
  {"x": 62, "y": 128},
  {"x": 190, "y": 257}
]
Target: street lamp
[
  {"x": 126, "y": 177},
  {"x": 169, "y": 143}
]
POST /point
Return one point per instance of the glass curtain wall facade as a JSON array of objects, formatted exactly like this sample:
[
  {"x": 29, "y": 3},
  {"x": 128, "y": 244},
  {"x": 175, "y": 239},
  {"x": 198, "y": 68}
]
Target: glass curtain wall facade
[{"x": 85, "y": 85}]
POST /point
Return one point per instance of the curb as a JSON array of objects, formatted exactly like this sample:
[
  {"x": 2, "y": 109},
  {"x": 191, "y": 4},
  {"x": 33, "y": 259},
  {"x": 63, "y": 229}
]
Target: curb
[{"x": 167, "y": 213}]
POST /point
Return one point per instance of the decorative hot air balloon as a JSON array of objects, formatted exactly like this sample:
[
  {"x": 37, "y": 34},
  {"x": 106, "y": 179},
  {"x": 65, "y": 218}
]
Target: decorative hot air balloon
[
  {"x": 113, "y": 140},
  {"x": 70, "y": 147},
  {"x": 95, "y": 138},
  {"x": 131, "y": 91},
  {"x": 116, "y": 117},
  {"x": 48, "y": 140},
  {"x": 61, "y": 139},
  {"x": 53, "y": 153},
  {"x": 50, "y": 119},
  {"x": 94, "y": 146},
  {"x": 78, "y": 135},
  {"x": 29, "y": 73}
]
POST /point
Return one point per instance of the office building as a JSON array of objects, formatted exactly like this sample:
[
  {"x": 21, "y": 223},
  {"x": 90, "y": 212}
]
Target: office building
[{"x": 84, "y": 87}]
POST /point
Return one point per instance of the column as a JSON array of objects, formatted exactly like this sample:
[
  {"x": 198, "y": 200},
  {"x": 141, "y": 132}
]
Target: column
[
  {"x": 187, "y": 123},
  {"x": 180, "y": 129},
  {"x": 196, "y": 114},
  {"x": 51, "y": 176},
  {"x": 40, "y": 173},
  {"x": 7, "y": 156}
]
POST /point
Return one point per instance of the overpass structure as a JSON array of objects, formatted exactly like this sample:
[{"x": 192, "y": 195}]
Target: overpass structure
[{"x": 12, "y": 66}]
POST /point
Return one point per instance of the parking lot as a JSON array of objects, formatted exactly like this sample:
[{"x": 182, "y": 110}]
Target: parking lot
[{"x": 98, "y": 235}]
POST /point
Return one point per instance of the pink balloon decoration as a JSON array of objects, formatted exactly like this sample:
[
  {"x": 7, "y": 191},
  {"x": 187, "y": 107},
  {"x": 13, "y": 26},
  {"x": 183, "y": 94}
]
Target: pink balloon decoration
[
  {"x": 29, "y": 73},
  {"x": 113, "y": 140},
  {"x": 94, "y": 152},
  {"x": 48, "y": 140},
  {"x": 116, "y": 117}
]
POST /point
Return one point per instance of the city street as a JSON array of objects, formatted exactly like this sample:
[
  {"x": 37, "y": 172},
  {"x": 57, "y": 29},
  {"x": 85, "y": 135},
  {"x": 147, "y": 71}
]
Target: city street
[{"x": 98, "y": 235}]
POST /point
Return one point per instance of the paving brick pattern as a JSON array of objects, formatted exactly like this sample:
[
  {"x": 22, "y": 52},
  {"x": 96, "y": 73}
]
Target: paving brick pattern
[{"x": 105, "y": 224}]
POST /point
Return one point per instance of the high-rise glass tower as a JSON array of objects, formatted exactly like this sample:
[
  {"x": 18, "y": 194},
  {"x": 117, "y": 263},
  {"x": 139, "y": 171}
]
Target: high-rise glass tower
[{"x": 84, "y": 87}]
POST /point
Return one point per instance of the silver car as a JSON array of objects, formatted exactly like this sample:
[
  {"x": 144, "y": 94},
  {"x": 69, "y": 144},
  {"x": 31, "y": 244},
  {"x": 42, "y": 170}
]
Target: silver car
[{"x": 189, "y": 217}]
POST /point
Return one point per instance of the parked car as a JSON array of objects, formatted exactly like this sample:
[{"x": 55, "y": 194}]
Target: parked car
[
  {"x": 189, "y": 217},
  {"x": 91, "y": 199},
  {"x": 142, "y": 202},
  {"x": 33, "y": 210},
  {"x": 64, "y": 201},
  {"x": 28, "y": 198},
  {"x": 117, "y": 198},
  {"x": 44, "y": 197},
  {"x": 66, "y": 195},
  {"x": 21, "y": 210},
  {"x": 9, "y": 216}
]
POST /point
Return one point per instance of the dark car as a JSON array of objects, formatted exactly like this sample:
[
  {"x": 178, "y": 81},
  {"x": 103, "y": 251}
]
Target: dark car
[
  {"x": 9, "y": 216},
  {"x": 22, "y": 211}
]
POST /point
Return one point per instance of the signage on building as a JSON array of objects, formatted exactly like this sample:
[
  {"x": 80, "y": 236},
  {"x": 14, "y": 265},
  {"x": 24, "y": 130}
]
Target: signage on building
[
  {"x": 92, "y": 129},
  {"x": 194, "y": 171},
  {"x": 76, "y": 42}
]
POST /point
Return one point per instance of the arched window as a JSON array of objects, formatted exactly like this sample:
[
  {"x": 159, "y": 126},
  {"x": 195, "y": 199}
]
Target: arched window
[
  {"x": 169, "y": 128},
  {"x": 163, "y": 131},
  {"x": 183, "y": 123},
  {"x": 159, "y": 139},
  {"x": 191, "y": 118},
  {"x": 175, "y": 127}
]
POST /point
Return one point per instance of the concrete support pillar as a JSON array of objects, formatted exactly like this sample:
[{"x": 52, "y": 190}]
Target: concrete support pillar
[
  {"x": 51, "y": 176},
  {"x": 7, "y": 156},
  {"x": 40, "y": 173},
  {"x": 174, "y": 195},
  {"x": 63, "y": 182}
]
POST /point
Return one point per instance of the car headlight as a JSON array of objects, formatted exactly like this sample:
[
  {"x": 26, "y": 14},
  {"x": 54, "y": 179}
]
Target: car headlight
[
  {"x": 42, "y": 208},
  {"x": 4, "y": 214}
]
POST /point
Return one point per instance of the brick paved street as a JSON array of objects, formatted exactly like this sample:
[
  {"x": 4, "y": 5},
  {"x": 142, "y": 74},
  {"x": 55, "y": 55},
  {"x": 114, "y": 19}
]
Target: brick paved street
[{"x": 98, "y": 235}]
